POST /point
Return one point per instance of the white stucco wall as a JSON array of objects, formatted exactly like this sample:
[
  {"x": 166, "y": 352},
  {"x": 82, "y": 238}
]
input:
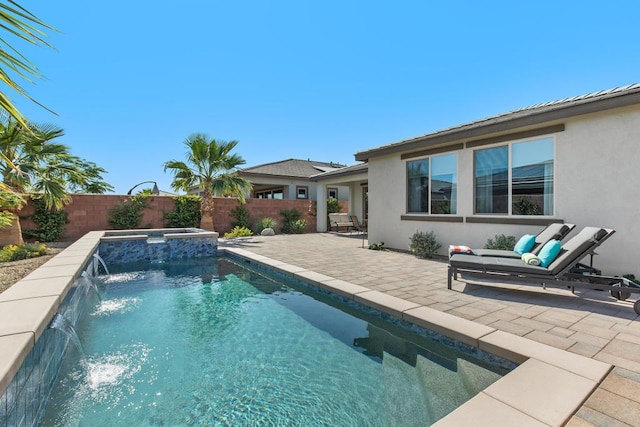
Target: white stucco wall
[
  {"x": 597, "y": 183},
  {"x": 352, "y": 186}
]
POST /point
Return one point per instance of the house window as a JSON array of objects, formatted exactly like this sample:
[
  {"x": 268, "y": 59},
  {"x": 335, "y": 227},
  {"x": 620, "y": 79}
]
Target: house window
[
  {"x": 432, "y": 185},
  {"x": 515, "y": 179},
  {"x": 302, "y": 192},
  {"x": 332, "y": 193},
  {"x": 277, "y": 193}
]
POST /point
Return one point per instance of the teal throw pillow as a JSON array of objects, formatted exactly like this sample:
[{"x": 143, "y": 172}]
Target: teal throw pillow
[
  {"x": 525, "y": 244},
  {"x": 549, "y": 252}
]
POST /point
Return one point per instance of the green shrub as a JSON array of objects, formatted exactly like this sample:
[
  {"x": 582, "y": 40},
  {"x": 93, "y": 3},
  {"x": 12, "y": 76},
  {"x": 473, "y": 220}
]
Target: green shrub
[
  {"x": 238, "y": 232},
  {"x": 128, "y": 215},
  {"x": 502, "y": 242},
  {"x": 28, "y": 250},
  {"x": 51, "y": 223},
  {"x": 333, "y": 206},
  {"x": 423, "y": 244},
  {"x": 377, "y": 246},
  {"x": 263, "y": 223},
  {"x": 292, "y": 224},
  {"x": 186, "y": 212},
  {"x": 241, "y": 216}
]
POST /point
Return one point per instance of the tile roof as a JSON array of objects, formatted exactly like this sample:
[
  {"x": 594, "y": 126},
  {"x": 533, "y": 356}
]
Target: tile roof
[
  {"x": 349, "y": 170},
  {"x": 533, "y": 114},
  {"x": 292, "y": 167}
]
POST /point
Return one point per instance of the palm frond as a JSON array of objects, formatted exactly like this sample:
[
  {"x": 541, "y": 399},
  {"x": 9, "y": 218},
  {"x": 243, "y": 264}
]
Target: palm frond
[{"x": 18, "y": 22}]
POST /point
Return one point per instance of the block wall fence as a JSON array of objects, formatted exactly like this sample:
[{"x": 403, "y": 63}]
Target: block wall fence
[{"x": 88, "y": 212}]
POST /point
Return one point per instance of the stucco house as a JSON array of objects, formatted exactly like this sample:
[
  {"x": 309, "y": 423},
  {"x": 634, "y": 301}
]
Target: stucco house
[
  {"x": 574, "y": 160},
  {"x": 292, "y": 179}
]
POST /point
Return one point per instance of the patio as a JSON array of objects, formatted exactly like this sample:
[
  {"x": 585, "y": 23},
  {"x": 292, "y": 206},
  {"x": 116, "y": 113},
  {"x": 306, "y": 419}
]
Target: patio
[{"x": 591, "y": 324}]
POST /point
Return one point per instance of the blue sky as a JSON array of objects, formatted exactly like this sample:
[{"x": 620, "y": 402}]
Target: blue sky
[{"x": 299, "y": 79}]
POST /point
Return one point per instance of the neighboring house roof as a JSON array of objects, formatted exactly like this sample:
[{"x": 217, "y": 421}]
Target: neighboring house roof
[
  {"x": 345, "y": 171},
  {"x": 291, "y": 168},
  {"x": 528, "y": 116}
]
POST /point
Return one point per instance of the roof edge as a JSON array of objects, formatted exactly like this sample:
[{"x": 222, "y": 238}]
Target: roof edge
[{"x": 530, "y": 116}]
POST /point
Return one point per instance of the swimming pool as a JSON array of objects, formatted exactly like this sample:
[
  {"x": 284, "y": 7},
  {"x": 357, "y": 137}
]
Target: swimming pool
[{"x": 212, "y": 342}]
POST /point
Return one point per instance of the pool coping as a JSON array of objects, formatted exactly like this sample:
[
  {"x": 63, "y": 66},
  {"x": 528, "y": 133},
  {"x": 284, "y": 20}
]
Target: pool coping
[{"x": 547, "y": 387}]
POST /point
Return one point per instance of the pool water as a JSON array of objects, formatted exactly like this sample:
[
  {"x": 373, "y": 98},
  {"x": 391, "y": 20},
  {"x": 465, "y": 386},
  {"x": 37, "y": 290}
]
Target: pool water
[{"x": 210, "y": 342}]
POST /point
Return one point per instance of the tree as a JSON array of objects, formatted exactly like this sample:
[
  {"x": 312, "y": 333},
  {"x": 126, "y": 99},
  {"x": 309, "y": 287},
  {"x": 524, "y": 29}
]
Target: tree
[
  {"x": 211, "y": 168},
  {"x": 25, "y": 26},
  {"x": 33, "y": 163}
]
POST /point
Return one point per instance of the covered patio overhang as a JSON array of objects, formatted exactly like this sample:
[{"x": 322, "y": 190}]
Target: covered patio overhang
[{"x": 356, "y": 179}]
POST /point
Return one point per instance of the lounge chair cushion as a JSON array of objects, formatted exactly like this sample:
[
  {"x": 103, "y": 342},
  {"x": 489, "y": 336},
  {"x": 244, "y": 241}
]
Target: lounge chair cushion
[
  {"x": 549, "y": 252},
  {"x": 588, "y": 238},
  {"x": 507, "y": 265},
  {"x": 525, "y": 244}
]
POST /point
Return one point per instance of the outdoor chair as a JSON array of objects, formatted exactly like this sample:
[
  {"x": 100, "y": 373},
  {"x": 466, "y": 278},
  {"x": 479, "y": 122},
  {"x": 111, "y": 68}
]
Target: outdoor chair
[
  {"x": 339, "y": 219},
  {"x": 553, "y": 231},
  {"x": 565, "y": 270},
  {"x": 357, "y": 226}
]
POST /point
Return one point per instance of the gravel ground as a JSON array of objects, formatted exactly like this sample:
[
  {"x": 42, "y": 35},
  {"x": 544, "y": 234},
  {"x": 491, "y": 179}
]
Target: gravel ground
[{"x": 12, "y": 272}]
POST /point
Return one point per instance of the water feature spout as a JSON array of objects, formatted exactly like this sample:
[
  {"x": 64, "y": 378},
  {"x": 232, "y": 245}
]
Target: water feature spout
[
  {"x": 92, "y": 284},
  {"x": 101, "y": 261},
  {"x": 63, "y": 324}
]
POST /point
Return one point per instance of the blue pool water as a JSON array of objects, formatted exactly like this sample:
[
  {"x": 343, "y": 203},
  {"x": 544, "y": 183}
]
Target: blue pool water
[{"x": 210, "y": 342}]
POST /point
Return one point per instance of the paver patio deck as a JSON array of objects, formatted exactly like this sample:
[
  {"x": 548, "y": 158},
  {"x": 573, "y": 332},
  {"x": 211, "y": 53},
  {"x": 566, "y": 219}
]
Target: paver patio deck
[{"x": 590, "y": 323}]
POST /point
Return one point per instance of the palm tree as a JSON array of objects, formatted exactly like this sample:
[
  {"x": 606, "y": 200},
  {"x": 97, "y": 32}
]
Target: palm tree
[
  {"x": 211, "y": 168},
  {"x": 18, "y": 22},
  {"x": 32, "y": 163}
]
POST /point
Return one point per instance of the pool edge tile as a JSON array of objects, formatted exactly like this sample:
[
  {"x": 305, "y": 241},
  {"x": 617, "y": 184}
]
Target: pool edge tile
[
  {"x": 385, "y": 303},
  {"x": 463, "y": 330},
  {"x": 27, "y": 315},
  {"x": 343, "y": 288},
  {"x": 519, "y": 349},
  {"x": 36, "y": 288},
  {"x": 543, "y": 391},
  {"x": 485, "y": 411},
  {"x": 13, "y": 351}
]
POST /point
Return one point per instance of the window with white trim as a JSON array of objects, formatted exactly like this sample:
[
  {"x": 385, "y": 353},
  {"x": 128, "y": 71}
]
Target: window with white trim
[
  {"x": 515, "y": 179},
  {"x": 302, "y": 192},
  {"x": 432, "y": 185}
]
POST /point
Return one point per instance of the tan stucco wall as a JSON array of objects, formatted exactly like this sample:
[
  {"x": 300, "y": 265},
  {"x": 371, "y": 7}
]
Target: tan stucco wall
[{"x": 596, "y": 184}]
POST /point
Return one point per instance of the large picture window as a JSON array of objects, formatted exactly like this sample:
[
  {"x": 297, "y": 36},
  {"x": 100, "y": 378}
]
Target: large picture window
[
  {"x": 432, "y": 185},
  {"x": 515, "y": 179}
]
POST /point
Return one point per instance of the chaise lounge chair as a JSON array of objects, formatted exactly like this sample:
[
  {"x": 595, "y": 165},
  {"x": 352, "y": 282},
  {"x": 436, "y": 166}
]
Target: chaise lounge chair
[
  {"x": 565, "y": 270},
  {"x": 556, "y": 230}
]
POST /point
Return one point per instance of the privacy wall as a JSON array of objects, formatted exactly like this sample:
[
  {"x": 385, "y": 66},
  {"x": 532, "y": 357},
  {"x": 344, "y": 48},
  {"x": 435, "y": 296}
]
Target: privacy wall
[{"x": 88, "y": 212}]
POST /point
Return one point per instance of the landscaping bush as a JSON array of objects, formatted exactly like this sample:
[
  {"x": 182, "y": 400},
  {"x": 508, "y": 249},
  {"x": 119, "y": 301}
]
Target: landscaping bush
[
  {"x": 423, "y": 244},
  {"x": 377, "y": 246},
  {"x": 263, "y": 223},
  {"x": 241, "y": 216},
  {"x": 292, "y": 224},
  {"x": 238, "y": 232},
  {"x": 186, "y": 212},
  {"x": 333, "y": 206},
  {"x": 502, "y": 242},
  {"x": 128, "y": 215},
  {"x": 28, "y": 250},
  {"x": 51, "y": 223}
]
